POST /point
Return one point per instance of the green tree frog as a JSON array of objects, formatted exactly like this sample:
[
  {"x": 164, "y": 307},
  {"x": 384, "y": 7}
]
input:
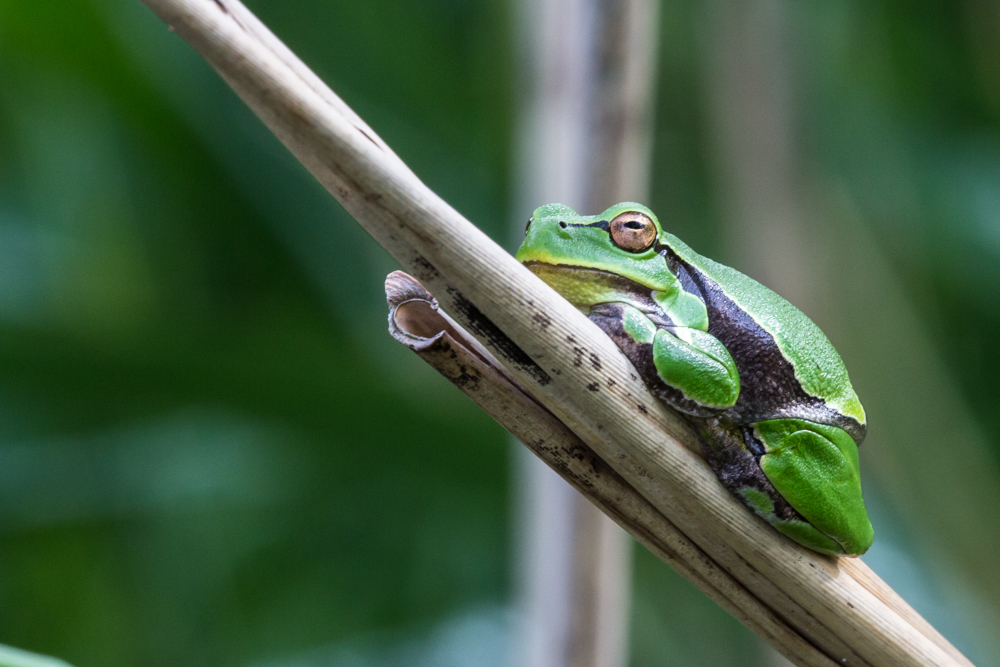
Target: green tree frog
[{"x": 779, "y": 421}]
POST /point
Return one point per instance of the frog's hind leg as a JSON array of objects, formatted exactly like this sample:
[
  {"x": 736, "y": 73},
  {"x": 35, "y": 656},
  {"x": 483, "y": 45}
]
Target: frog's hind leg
[
  {"x": 724, "y": 445},
  {"x": 686, "y": 368},
  {"x": 815, "y": 467}
]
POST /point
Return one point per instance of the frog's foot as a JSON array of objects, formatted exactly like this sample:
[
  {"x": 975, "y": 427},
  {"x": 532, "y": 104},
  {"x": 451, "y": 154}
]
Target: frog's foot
[
  {"x": 686, "y": 368},
  {"x": 801, "y": 477},
  {"x": 815, "y": 467},
  {"x": 698, "y": 365}
]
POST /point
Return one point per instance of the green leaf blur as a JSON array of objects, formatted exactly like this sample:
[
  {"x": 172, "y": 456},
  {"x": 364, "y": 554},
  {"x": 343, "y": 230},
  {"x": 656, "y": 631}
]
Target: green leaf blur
[{"x": 211, "y": 453}]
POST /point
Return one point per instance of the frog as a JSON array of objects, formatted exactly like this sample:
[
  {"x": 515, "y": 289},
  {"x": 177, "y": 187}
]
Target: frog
[{"x": 767, "y": 393}]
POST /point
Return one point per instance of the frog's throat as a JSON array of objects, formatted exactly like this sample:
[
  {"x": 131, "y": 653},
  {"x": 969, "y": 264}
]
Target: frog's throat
[{"x": 585, "y": 287}]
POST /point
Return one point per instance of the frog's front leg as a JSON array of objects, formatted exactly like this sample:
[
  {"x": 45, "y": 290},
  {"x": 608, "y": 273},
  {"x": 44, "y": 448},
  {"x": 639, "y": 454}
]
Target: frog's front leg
[{"x": 687, "y": 368}]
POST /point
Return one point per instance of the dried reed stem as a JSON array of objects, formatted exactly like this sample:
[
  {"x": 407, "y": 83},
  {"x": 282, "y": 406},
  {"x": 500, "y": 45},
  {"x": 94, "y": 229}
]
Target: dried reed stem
[{"x": 555, "y": 352}]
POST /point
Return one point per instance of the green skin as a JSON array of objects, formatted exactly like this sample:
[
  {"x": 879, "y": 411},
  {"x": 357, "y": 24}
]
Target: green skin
[{"x": 768, "y": 393}]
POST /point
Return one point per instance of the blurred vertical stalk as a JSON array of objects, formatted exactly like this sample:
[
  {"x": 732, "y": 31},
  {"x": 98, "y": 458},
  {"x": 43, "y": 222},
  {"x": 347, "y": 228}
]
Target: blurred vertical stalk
[
  {"x": 751, "y": 119},
  {"x": 585, "y": 141},
  {"x": 788, "y": 227},
  {"x": 751, "y": 112}
]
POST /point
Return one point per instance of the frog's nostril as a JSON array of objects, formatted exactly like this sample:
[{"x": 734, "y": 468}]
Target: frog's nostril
[
  {"x": 562, "y": 224},
  {"x": 528, "y": 225}
]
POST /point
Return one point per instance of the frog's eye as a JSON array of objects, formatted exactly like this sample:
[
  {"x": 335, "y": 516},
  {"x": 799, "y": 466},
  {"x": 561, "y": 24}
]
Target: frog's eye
[{"x": 633, "y": 231}]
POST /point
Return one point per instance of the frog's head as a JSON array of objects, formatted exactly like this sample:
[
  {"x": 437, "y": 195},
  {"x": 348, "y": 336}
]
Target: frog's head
[{"x": 581, "y": 256}]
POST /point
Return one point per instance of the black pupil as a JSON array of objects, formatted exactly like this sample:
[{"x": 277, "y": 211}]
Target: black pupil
[{"x": 633, "y": 225}]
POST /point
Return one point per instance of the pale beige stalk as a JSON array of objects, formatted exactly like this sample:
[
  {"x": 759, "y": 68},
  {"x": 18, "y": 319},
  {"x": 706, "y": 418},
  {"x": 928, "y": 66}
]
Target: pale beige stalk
[
  {"x": 416, "y": 321},
  {"x": 565, "y": 361},
  {"x": 588, "y": 75}
]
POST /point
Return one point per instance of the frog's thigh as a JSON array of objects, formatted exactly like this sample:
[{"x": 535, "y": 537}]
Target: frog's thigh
[
  {"x": 697, "y": 364},
  {"x": 815, "y": 468}
]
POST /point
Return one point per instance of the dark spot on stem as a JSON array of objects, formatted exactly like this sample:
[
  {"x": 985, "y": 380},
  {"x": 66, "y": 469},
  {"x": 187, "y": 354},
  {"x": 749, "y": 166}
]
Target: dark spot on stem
[
  {"x": 361, "y": 131},
  {"x": 424, "y": 269},
  {"x": 467, "y": 380},
  {"x": 476, "y": 322},
  {"x": 542, "y": 319}
]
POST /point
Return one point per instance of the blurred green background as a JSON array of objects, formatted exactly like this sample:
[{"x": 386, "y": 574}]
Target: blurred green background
[{"x": 211, "y": 453}]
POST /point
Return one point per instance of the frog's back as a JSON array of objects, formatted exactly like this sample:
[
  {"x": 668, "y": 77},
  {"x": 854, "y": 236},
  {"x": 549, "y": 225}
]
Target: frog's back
[{"x": 788, "y": 367}]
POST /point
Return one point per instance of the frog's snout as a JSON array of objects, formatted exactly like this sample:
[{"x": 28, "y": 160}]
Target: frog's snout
[
  {"x": 539, "y": 228},
  {"x": 564, "y": 229}
]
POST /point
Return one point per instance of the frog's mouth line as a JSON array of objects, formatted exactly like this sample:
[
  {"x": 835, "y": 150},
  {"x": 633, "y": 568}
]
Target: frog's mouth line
[
  {"x": 584, "y": 285},
  {"x": 587, "y": 273}
]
